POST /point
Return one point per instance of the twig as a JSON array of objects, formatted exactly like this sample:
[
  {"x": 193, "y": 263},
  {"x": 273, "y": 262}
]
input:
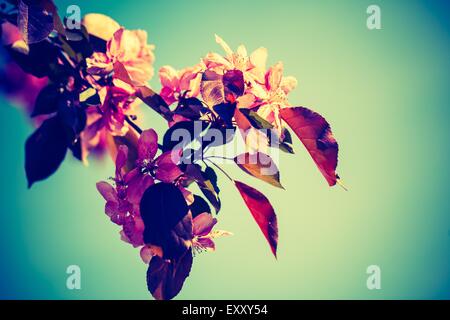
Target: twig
[
  {"x": 133, "y": 125},
  {"x": 223, "y": 171},
  {"x": 138, "y": 129},
  {"x": 218, "y": 157}
]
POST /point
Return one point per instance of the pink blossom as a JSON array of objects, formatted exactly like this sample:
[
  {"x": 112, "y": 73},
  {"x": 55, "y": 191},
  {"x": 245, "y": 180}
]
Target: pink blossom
[
  {"x": 108, "y": 118},
  {"x": 127, "y": 49},
  {"x": 94, "y": 136},
  {"x": 122, "y": 209},
  {"x": 117, "y": 104},
  {"x": 163, "y": 167},
  {"x": 175, "y": 83},
  {"x": 203, "y": 234},
  {"x": 268, "y": 98},
  {"x": 274, "y": 95},
  {"x": 123, "y": 199},
  {"x": 252, "y": 66},
  {"x": 117, "y": 205},
  {"x": 266, "y": 91}
]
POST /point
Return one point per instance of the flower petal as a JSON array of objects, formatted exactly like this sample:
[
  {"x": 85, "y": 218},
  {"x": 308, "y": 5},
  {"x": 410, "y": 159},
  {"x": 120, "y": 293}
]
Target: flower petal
[
  {"x": 259, "y": 59},
  {"x": 256, "y": 140},
  {"x": 107, "y": 191},
  {"x": 288, "y": 84},
  {"x": 246, "y": 101},
  {"x": 114, "y": 44},
  {"x": 203, "y": 224},
  {"x": 100, "y": 25},
  {"x": 168, "y": 95},
  {"x": 242, "y": 51},
  {"x": 114, "y": 212},
  {"x": 147, "y": 145},
  {"x": 168, "y": 172},
  {"x": 224, "y": 45},
  {"x": 129, "y": 46},
  {"x": 205, "y": 244},
  {"x": 274, "y": 76},
  {"x": 167, "y": 169},
  {"x": 259, "y": 91},
  {"x": 99, "y": 64},
  {"x": 137, "y": 184},
  {"x": 213, "y": 60},
  {"x": 169, "y": 78},
  {"x": 121, "y": 159},
  {"x": 169, "y": 157},
  {"x": 219, "y": 233},
  {"x": 133, "y": 228},
  {"x": 194, "y": 85}
]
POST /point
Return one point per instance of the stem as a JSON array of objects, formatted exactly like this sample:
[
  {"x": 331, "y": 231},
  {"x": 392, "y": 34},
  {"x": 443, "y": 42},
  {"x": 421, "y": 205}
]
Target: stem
[
  {"x": 341, "y": 184},
  {"x": 133, "y": 125},
  {"x": 218, "y": 157},
  {"x": 138, "y": 129},
  {"x": 223, "y": 171}
]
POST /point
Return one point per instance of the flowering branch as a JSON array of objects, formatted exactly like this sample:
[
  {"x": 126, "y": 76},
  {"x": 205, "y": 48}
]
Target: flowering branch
[{"x": 84, "y": 87}]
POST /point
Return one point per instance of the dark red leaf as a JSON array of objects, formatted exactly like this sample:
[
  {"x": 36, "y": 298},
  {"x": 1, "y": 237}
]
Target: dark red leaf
[
  {"x": 218, "y": 135},
  {"x": 226, "y": 112},
  {"x": 183, "y": 133},
  {"x": 34, "y": 22},
  {"x": 167, "y": 221},
  {"x": 199, "y": 206},
  {"x": 39, "y": 61},
  {"x": 262, "y": 212},
  {"x": 165, "y": 278},
  {"x": 233, "y": 82},
  {"x": 190, "y": 108},
  {"x": 47, "y": 100},
  {"x": 315, "y": 134},
  {"x": 45, "y": 150}
]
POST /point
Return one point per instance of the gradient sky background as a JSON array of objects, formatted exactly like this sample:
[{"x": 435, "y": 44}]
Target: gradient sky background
[{"x": 385, "y": 93}]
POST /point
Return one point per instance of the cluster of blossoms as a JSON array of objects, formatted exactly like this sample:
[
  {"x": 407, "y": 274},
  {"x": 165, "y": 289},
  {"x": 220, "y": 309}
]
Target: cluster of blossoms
[
  {"x": 265, "y": 90},
  {"x": 84, "y": 89}
]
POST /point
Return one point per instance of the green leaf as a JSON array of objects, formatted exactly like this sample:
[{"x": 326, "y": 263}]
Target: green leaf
[
  {"x": 259, "y": 123},
  {"x": 260, "y": 166},
  {"x": 199, "y": 206},
  {"x": 256, "y": 120},
  {"x": 207, "y": 182}
]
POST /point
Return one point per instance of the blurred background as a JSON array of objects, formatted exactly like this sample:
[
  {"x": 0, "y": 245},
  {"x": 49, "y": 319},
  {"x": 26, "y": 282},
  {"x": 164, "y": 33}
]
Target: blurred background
[{"x": 385, "y": 93}]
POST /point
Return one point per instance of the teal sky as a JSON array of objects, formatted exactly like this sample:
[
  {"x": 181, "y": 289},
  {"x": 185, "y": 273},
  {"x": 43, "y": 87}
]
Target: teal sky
[{"x": 385, "y": 94}]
